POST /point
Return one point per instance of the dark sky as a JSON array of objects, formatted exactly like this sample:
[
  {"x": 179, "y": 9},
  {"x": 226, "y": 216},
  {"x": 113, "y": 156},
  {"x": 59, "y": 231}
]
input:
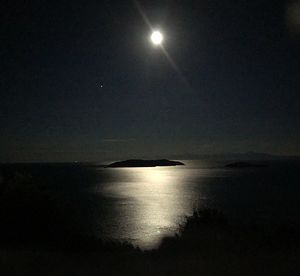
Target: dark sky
[{"x": 79, "y": 80}]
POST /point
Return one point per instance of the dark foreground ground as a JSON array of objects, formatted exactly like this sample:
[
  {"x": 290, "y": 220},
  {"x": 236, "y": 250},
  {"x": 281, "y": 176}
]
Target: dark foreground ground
[{"x": 37, "y": 237}]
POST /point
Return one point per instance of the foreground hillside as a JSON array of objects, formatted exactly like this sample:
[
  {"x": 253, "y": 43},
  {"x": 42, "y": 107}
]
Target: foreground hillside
[{"x": 207, "y": 245}]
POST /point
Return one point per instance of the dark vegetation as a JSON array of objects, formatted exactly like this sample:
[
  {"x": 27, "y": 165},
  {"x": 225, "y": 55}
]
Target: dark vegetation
[
  {"x": 39, "y": 236},
  {"x": 144, "y": 163}
]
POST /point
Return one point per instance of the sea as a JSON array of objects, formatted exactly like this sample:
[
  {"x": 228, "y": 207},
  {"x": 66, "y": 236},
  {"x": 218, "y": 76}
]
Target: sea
[{"x": 144, "y": 205}]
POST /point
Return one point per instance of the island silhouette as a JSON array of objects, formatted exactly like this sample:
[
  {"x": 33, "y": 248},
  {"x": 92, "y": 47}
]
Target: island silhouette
[{"x": 144, "y": 163}]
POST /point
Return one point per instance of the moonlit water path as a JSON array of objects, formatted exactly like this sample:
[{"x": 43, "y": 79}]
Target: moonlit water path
[{"x": 150, "y": 203}]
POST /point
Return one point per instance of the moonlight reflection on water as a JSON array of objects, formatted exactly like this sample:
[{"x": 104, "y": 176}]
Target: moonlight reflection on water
[{"x": 151, "y": 203}]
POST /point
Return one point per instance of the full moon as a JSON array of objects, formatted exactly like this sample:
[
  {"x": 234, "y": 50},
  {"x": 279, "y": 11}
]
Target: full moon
[{"x": 157, "y": 38}]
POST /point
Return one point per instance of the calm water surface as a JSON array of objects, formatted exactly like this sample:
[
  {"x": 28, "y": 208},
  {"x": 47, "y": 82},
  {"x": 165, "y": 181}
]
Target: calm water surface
[{"x": 143, "y": 205}]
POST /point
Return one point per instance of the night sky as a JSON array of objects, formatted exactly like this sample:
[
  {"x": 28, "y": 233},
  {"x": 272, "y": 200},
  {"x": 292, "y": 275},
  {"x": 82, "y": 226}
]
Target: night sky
[{"x": 80, "y": 80}]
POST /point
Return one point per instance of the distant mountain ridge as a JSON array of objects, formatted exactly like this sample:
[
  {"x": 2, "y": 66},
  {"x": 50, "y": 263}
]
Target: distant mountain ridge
[{"x": 251, "y": 155}]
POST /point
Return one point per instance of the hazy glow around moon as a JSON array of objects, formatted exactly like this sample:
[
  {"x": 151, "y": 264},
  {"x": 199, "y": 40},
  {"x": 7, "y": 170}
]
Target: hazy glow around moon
[{"x": 157, "y": 38}]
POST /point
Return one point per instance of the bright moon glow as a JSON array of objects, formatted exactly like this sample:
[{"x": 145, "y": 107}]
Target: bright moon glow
[{"x": 157, "y": 38}]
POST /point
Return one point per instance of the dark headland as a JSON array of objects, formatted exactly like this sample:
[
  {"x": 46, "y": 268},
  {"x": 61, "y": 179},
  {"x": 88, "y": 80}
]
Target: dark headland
[{"x": 144, "y": 163}]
